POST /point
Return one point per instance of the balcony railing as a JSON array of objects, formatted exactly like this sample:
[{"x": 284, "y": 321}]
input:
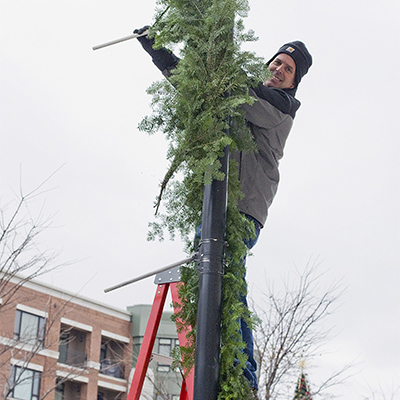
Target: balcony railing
[
  {"x": 112, "y": 368},
  {"x": 72, "y": 357}
]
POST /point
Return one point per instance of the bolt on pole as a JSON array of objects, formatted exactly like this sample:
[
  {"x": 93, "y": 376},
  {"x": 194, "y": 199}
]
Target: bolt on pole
[{"x": 211, "y": 254}]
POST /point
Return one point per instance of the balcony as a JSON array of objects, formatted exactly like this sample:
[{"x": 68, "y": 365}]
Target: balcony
[
  {"x": 112, "y": 368},
  {"x": 72, "y": 347},
  {"x": 72, "y": 357}
]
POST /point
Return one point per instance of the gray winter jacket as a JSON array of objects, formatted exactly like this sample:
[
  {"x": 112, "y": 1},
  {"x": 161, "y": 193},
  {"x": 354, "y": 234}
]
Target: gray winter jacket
[{"x": 258, "y": 170}]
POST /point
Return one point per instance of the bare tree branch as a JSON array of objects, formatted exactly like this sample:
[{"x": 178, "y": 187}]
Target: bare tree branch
[
  {"x": 383, "y": 393},
  {"x": 20, "y": 255},
  {"x": 291, "y": 329}
]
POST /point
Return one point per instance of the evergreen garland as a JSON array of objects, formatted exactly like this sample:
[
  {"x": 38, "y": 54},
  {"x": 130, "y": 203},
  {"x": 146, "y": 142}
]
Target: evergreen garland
[{"x": 193, "y": 109}]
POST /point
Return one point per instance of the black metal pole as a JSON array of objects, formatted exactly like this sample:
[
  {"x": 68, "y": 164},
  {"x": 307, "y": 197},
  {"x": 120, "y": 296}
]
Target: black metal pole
[{"x": 211, "y": 253}]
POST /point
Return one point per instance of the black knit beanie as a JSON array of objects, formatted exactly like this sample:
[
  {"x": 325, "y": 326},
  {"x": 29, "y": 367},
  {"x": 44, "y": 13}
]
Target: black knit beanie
[{"x": 302, "y": 58}]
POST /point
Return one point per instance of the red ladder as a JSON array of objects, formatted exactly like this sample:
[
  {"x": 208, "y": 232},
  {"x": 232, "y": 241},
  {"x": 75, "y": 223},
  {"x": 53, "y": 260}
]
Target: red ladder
[{"x": 148, "y": 344}]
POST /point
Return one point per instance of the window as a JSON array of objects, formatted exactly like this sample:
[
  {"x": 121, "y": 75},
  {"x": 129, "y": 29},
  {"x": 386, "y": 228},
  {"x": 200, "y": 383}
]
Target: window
[
  {"x": 111, "y": 358},
  {"x": 164, "y": 349},
  {"x": 105, "y": 394},
  {"x": 72, "y": 347},
  {"x": 29, "y": 328},
  {"x": 103, "y": 352},
  {"x": 60, "y": 388},
  {"x": 25, "y": 383}
]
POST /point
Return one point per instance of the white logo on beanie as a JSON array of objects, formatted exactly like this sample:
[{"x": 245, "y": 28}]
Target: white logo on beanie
[{"x": 290, "y": 49}]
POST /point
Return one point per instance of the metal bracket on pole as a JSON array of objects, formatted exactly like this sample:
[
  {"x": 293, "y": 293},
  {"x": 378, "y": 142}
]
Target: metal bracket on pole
[
  {"x": 123, "y": 39},
  {"x": 169, "y": 276},
  {"x": 157, "y": 271}
]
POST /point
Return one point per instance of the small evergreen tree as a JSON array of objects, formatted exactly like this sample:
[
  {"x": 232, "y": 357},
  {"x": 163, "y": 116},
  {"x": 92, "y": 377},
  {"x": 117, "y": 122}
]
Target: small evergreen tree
[{"x": 302, "y": 391}]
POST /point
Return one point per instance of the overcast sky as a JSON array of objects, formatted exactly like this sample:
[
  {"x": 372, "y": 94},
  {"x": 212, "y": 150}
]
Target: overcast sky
[{"x": 65, "y": 105}]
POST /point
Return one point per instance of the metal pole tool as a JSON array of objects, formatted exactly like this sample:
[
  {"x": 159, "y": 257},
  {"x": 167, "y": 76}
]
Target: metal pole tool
[
  {"x": 151, "y": 273},
  {"x": 123, "y": 39}
]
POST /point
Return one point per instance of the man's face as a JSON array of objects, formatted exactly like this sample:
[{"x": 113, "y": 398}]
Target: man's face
[{"x": 283, "y": 70}]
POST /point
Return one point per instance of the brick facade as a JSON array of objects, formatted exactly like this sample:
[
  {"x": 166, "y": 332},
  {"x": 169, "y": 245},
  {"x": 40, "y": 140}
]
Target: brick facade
[{"x": 86, "y": 350}]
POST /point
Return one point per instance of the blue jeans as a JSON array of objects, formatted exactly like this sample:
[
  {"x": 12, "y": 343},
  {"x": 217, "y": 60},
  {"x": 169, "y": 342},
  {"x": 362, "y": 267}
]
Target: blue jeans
[{"x": 246, "y": 333}]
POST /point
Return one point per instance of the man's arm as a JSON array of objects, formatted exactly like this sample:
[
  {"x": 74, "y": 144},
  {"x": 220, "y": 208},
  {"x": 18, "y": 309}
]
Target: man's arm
[
  {"x": 162, "y": 58},
  {"x": 166, "y": 61}
]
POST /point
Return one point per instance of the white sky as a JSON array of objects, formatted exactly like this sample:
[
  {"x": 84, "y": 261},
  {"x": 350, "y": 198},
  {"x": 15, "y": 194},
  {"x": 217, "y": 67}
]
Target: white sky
[{"x": 63, "y": 104}]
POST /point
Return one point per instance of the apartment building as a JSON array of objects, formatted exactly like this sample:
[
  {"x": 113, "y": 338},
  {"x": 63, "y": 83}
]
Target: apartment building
[{"x": 61, "y": 346}]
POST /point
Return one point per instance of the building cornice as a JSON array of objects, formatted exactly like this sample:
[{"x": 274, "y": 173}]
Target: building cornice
[{"x": 75, "y": 298}]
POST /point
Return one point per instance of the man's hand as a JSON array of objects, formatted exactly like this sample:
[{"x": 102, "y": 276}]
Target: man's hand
[
  {"x": 146, "y": 42},
  {"x": 140, "y": 31}
]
